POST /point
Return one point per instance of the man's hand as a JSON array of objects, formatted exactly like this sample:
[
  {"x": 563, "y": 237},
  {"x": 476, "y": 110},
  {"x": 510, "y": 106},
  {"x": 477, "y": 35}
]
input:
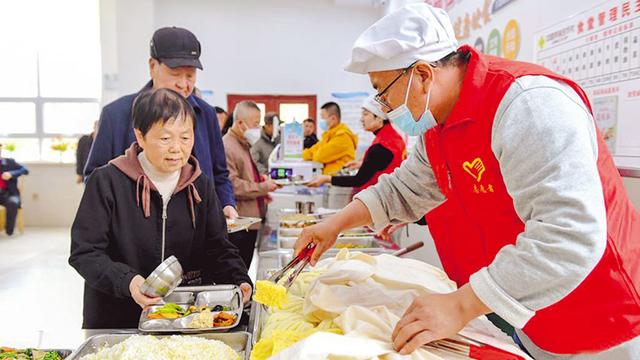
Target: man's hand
[
  {"x": 385, "y": 234},
  {"x": 323, "y": 234},
  {"x": 436, "y": 316},
  {"x": 230, "y": 212},
  {"x": 6, "y": 176},
  {"x": 141, "y": 299},
  {"x": 319, "y": 180},
  {"x": 246, "y": 292},
  {"x": 79, "y": 179},
  {"x": 271, "y": 184}
]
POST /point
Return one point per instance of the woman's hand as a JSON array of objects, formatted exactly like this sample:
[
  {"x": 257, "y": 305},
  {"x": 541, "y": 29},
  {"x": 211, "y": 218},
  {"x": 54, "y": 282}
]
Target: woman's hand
[
  {"x": 353, "y": 164},
  {"x": 246, "y": 292},
  {"x": 141, "y": 299}
]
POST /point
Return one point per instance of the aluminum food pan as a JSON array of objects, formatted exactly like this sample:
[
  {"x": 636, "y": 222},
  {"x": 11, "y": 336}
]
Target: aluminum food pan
[
  {"x": 238, "y": 341},
  {"x": 225, "y": 295},
  {"x": 296, "y": 231},
  {"x": 355, "y": 242},
  {"x": 277, "y": 259}
]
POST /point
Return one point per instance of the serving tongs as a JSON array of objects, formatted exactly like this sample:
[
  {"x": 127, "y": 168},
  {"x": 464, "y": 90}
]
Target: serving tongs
[
  {"x": 297, "y": 264},
  {"x": 466, "y": 347}
]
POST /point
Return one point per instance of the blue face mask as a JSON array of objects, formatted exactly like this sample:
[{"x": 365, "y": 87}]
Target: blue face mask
[
  {"x": 403, "y": 119},
  {"x": 323, "y": 125}
]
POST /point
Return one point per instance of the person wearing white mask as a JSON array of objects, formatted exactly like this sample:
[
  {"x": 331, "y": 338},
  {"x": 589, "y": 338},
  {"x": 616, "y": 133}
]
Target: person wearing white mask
[
  {"x": 250, "y": 189},
  {"x": 524, "y": 202}
]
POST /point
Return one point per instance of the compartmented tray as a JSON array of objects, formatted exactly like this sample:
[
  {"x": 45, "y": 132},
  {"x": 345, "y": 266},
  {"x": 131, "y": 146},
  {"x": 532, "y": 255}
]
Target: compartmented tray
[
  {"x": 241, "y": 223},
  {"x": 240, "y": 342},
  {"x": 217, "y": 299}
]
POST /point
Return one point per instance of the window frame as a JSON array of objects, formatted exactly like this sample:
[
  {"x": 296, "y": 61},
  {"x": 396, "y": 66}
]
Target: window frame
[{"x": 39, "y": 102}]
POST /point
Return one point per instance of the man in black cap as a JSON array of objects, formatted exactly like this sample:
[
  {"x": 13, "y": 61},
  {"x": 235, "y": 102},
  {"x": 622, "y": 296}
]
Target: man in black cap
[{"x": 175, "y": 56}]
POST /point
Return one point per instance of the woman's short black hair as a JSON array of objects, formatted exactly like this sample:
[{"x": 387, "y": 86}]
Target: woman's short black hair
[
  {"x": 160, "y": 105},
  {"x": 219, "y": 110}
]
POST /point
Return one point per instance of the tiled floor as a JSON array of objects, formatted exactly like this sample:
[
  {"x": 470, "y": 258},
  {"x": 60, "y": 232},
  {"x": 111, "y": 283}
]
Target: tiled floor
[{"x": 38, "y": 288}]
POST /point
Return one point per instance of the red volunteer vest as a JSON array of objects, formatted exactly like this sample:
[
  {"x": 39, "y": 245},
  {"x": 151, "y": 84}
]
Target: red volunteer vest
[
  {"x": 392, "y": 141},
  {"x": 478, "y": 218}
]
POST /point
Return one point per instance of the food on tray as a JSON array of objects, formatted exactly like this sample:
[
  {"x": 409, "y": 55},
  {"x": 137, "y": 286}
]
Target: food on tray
[
  {"x": 169, "y": 348},
  {"x": 175, "y": 311},
  {"x": 348, "y": 246},
  {"x": 169, "y": 311},
  {"x": 206, "y": 319},
  {"x": 203, "y": 320},
  {"x": 270, "y": 294},
  {"x": 224, "y": 319},
  {"x": 286, "y": 324},
  {"x": 232, "y": 224},
  {"x": 220, "y": 308},
  {"x": 241, "y": 223},
  {"x": 28, "y": 354},
  {"x": 297, "y": 220}
]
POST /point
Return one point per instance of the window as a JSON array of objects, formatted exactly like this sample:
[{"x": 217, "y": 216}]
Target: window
[
  {"x": 294, "y": 112},
  {"x": 288, "y": 107},
  {"x": 51, "y": 82}
]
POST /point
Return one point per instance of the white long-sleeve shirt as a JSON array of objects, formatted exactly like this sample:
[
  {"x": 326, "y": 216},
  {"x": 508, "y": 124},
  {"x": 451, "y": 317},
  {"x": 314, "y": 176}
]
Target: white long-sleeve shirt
[{"x": 545, "y": 141}]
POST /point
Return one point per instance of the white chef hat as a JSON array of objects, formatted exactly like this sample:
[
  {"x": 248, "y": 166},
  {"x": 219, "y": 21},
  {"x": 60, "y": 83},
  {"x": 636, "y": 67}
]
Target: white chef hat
[
  {"x": 414, "y": 32},
  {"x": 374, "y": 107}
]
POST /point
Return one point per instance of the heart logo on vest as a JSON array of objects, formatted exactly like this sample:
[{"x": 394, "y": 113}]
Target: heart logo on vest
[{"x": 475, "y": 168}]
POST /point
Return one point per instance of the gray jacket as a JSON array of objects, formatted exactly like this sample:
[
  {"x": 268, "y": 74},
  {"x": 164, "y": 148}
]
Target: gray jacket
[
  {"x": 261, "y": 150},
  {"x": 545, "y": 141}
]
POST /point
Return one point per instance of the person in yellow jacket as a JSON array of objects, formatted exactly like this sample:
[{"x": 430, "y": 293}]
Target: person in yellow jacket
[{"x": 338, "y": 144}]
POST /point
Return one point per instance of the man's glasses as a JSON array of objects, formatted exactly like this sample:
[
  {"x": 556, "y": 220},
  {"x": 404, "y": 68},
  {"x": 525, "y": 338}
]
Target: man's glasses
[{"x": 379, "y": 96}]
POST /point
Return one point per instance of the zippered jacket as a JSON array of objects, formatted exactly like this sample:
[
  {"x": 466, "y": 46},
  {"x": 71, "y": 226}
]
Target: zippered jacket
[{"x": 118, "y": 233}]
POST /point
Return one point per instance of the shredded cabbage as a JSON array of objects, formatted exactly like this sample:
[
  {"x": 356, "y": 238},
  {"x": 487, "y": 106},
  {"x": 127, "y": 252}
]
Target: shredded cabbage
[{"x": 169, "y": 348}]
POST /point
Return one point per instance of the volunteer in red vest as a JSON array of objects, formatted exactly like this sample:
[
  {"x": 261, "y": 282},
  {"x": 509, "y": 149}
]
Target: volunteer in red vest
[
  {"x": 386, "y": 152},
  {"x": 542, "y": 232}
]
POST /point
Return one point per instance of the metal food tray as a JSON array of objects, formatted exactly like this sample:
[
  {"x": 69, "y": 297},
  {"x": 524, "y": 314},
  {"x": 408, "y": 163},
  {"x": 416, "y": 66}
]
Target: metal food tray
[
  {"x": 241, "y": 223},
  {"x": 277, "y": 259},
  {"x": 363, "y": 242},
  {"x": 225, "y": 295},
  {"x": 64, "y": 353},
  {"x": 289, "y": 182},
  {"x": 352, "y": 233},
  {"x": 240, "y": 342}
]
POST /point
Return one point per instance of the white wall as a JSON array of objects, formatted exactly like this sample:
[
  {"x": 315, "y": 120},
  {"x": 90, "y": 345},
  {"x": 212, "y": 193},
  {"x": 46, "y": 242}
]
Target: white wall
[
  {"x": 250, "y": 47},
  {"x": 50, "y": 195}
]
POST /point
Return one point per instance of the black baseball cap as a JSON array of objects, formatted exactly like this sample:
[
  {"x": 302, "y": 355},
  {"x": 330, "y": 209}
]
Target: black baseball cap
[{"x": 175, "y": 47}]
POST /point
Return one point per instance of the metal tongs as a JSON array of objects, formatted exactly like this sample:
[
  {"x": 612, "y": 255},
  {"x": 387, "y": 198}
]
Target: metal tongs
[{"x": 298, "y": 264}]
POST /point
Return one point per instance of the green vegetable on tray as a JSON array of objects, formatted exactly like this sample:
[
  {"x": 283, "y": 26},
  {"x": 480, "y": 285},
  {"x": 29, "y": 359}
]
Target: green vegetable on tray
[{"x": 28, "y": 354}]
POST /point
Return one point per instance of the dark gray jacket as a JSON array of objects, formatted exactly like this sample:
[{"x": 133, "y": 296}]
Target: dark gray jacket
[{"x": 261, "y": 150}]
